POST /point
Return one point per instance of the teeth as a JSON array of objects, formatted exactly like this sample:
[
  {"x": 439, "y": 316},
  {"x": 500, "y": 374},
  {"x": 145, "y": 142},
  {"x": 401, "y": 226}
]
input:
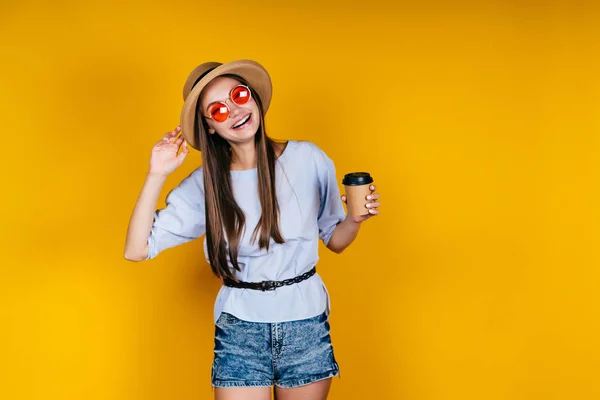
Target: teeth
[{"x": 242, "y": 122}]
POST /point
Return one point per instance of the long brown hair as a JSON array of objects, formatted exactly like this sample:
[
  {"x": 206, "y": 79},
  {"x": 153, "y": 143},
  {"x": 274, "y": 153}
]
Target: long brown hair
[{"x": 225, "y": 220}]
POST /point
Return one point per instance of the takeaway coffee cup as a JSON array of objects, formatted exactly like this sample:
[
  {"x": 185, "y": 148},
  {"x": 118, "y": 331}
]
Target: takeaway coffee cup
[{"x": 357, "y": 185}]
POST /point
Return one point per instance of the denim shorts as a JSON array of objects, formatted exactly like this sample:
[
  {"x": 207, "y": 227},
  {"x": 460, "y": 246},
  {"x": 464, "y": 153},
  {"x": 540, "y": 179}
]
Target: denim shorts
[{"x": 286, "y": 354}]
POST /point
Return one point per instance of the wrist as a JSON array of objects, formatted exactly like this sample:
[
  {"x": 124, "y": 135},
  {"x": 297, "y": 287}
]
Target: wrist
[
  {"x": 350, "y": 221},
  {"x": 157, "y": 175}
]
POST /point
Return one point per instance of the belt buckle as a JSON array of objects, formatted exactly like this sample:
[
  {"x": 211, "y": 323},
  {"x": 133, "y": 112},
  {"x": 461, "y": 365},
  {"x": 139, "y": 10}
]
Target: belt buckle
[{"x": 267, "y": 285}]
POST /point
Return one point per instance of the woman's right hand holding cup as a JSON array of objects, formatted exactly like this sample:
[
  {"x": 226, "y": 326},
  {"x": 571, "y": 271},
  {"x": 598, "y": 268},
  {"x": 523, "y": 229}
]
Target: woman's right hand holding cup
[{"x": 165, "y": 159}]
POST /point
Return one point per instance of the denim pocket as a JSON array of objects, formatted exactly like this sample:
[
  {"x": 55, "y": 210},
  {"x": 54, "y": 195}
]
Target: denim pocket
[{"x": 227, "y": 319}]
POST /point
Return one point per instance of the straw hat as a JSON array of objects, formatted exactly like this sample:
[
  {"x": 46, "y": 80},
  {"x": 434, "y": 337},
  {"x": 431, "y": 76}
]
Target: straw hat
[{"x": 254, "y": 73}]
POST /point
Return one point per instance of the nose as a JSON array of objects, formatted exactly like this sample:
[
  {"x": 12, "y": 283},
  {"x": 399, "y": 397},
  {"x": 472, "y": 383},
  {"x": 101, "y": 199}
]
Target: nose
[{"x": 234, "y": 109}]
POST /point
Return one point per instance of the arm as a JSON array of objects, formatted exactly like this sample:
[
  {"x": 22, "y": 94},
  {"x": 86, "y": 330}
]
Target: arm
[
  {"x": 336, "y": 229},
  {"x": 343, "y": 235},
  {"x": 163, "y": 161},
  {"x": 140, "y": 224}
]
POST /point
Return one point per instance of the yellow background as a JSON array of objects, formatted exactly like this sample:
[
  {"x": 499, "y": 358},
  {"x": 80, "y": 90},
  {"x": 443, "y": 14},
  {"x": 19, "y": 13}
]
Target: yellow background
[{"x": 478, "y": 120}]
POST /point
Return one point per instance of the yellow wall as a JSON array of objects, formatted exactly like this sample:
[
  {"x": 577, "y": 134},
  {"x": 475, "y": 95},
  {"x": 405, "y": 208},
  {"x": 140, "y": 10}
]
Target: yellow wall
[{"x": 479, "y": 121}]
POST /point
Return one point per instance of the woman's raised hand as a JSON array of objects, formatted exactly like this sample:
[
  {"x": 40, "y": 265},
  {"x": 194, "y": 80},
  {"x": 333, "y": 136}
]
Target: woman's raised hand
[{"x": 165, "y": 159}]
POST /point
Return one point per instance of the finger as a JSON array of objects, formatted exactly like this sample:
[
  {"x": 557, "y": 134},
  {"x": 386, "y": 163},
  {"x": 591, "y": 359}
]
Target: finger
[
  {"x": 164, "y": 142},
  {"x": 184, "y": 151},
  {"x": 373, "y": 196},
  {"x": 170, "y": 135},
  {"x": 373, "y": 205},
  {"x": 181, "y": 144},
  {"x": 179, "y": 141},
  {"x": 373, "y": 188},
  {"x": 344, "y": 198},
  {"x": 373, "y": 212}
]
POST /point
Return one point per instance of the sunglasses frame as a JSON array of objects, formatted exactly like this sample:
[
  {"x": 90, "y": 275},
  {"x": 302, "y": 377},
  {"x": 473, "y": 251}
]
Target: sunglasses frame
[{"x": 229, "y": 98}]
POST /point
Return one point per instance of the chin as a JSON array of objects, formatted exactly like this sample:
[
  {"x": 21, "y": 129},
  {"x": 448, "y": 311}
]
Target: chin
[{"x": 241, "y": 137}]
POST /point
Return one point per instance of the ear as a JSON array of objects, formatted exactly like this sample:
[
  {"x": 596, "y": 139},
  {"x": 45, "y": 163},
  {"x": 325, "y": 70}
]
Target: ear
[{"x": 211, "y": 131}]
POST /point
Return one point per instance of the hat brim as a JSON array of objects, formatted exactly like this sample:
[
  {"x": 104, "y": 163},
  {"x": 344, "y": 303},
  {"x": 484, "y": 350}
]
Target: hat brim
[{"x": 255, "y": 74}]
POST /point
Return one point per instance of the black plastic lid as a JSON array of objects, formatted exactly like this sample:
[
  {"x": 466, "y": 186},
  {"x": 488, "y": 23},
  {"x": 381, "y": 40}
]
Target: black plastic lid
[{"x": 357, "y": 179}]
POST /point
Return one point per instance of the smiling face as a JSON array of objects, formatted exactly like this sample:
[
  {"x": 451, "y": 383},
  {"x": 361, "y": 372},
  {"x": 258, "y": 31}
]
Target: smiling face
[{"x": 243, "y": 121}]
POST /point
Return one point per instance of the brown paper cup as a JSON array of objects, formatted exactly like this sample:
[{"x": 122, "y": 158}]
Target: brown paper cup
[{"x": 356, "y": 197}]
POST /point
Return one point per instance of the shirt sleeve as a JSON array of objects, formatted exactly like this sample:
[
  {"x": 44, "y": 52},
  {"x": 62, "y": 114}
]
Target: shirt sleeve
[
  {"x": 331, "y": 210},
  {"x": 182, "y": 219}
]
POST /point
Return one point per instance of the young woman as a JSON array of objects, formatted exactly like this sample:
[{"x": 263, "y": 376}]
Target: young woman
[{"x": 263, "y": 206}]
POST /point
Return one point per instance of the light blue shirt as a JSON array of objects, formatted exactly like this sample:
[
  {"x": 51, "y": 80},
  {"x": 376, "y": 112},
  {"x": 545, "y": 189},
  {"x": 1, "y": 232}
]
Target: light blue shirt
[{"x": 310, "y": 209}]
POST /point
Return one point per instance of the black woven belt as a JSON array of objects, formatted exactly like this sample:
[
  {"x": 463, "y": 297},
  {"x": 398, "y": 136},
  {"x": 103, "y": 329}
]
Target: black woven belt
[{"x": 269, "y": 285}]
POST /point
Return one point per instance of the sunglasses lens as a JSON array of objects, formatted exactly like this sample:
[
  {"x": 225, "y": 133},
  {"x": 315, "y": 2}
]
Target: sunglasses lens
[
  {"x": 240, "y": 95},
  {"x": 219, "y": 112}
]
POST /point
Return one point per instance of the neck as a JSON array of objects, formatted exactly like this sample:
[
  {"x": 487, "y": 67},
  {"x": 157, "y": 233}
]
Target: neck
[{"x": 243, "y": 156}]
